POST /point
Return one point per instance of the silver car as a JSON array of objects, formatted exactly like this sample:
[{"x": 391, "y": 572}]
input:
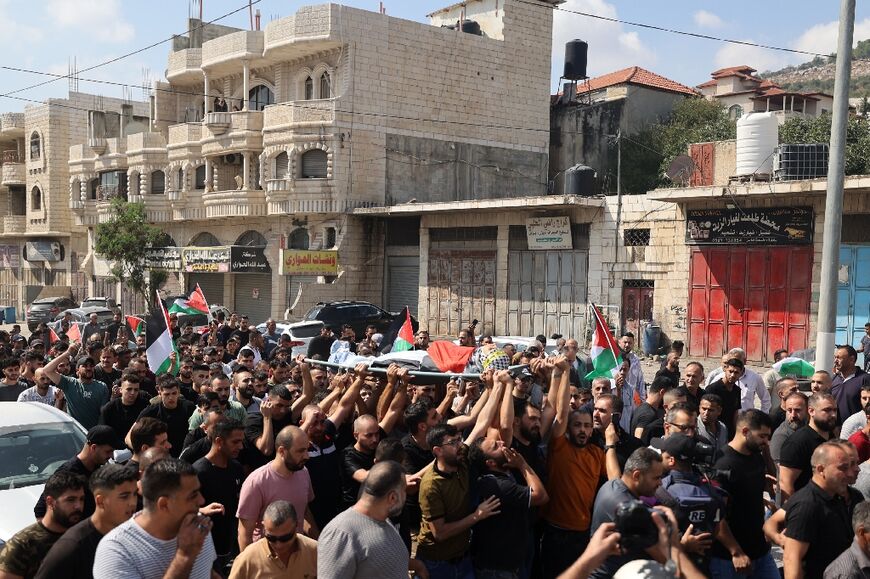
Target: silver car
[{"x": 35, "y": 440}]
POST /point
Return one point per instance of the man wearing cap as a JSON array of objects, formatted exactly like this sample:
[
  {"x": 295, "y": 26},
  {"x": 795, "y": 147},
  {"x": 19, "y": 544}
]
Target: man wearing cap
[
  {"x": 98, "y": 449},
  {"x": 84, "y": 395}
]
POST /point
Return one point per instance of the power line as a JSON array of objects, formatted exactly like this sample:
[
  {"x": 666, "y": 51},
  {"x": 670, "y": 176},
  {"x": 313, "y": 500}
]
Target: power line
[
  {"x": 680, "y": 32},
  {"x": 133, "y": 53}
]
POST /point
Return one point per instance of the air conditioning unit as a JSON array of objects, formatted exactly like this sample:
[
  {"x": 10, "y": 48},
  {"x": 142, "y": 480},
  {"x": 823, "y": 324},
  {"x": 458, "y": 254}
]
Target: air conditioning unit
[{"x": 233, "y": 159}]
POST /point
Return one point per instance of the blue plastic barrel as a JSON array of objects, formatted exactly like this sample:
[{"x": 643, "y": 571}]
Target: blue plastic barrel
[
  {"x": 9, "y": 315},
  {"x": 652, "y": 335}
]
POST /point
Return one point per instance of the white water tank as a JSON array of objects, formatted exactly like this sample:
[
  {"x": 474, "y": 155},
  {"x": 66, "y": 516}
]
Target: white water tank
[{"x": 757, "y": 139}]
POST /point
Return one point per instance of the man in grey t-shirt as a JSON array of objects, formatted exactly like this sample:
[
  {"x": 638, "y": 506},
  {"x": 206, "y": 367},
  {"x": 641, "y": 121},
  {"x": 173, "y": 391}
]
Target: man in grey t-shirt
[
  {"x": 795, "y": 417},
  {"x": 361, "y": 543},
  {"x": 168, "y": 538}
]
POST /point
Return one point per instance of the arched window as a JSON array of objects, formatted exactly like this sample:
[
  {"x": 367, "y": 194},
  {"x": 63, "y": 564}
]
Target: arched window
[
  {"x": 35, "y": 146},
  {"x": 199, "y": 178},
  {"x": 251, "y": 238},
  {"x": 259, "y": 97},
  {"x": 325, "y": 86},
  {"x": 309, "y": 88},
  {"x": 35, "y": 199},
  {"x": 282, "y": 165},
  {"x": 298, "y": 239},
  {"x": 735, "y": 112},
  {"x": 205, "y": 239},
  {"x": 158, "y": 182},
  {"x": 314, "y": 164}
]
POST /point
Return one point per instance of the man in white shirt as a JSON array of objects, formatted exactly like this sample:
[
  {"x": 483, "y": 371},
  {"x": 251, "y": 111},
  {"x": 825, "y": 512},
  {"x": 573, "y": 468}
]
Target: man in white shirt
[
  {"x": 751, "y": 384},
  {"x": 635, "y": 372}
]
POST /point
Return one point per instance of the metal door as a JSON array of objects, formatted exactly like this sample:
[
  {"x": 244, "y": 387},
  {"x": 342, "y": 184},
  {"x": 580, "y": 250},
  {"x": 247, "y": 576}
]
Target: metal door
[
  {"x": 211, "y": 284},
  {"x": 546, "y": 292},
  {"x": 402, "y": 283},
  {"x": 853, "y": 293},
  {"x": 461, "y": 288},
  {"x": 637, "y": 305},
  {"x": 253, "y": 296},
  {"x": 753, "y": 298}
]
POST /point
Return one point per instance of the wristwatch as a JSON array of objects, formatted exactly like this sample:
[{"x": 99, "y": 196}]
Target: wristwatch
[{"x": 608, "y": 447}]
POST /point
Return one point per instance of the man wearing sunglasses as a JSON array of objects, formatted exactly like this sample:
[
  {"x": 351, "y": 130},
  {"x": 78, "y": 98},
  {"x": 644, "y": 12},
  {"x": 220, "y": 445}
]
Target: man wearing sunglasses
[{"x": 282, "y": 552}]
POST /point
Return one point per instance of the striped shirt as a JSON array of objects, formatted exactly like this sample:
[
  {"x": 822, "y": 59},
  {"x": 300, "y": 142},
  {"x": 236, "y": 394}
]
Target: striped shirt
[
  {"x": 129, "y": 552},
  {"x": 853, "y": 563}
]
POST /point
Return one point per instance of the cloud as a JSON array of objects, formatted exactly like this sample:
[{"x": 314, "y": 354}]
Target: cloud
[
  {"x": 706, "y": 19},
  {"x": 611, "y": 46},
  {"x": 761, "y": 59},
  {"x": 99, "y": 19},
  {"x": 12, "y": 32},
  {"x": 822, "y": 38}
]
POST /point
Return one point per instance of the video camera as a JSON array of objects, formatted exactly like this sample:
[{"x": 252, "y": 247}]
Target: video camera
[{"x": 636, "y": 527}]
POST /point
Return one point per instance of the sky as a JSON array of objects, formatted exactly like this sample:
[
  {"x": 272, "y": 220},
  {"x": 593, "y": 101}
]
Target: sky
[{"x": 45, "y": 35}]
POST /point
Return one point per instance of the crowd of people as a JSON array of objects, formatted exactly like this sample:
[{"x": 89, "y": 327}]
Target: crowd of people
[{"x": 244, "y": 461}]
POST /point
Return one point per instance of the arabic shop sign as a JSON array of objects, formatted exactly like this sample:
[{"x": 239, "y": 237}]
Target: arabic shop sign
[
  {"x": 549, "y": 233},
  {"x": 766, "y": 226},
  {"x": 163, "y": 258},
  {"x": 206, "y": 259},
  {"x": 302, "y": 262},
  {"x": 246, "y": 259}
]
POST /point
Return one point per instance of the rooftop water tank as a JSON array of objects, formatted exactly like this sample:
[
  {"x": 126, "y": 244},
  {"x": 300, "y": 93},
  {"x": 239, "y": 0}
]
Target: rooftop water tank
[
  {"x": 580, "y": 181},
  {"x": 757, "y": 139}
]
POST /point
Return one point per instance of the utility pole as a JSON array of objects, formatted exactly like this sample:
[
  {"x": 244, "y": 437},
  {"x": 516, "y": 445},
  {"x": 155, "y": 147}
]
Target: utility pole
[
  {"x": 618, "y": 195},
  {"x": 834, "y": 199}
]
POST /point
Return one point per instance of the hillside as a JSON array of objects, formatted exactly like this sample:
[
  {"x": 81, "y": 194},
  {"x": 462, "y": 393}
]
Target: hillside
[{"x": 818, "y": 74}]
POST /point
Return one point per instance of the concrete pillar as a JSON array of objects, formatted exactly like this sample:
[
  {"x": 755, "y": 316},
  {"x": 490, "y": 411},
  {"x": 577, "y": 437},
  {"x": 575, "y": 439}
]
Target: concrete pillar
[
  {"x": 501, "y": 280},
  {"x": 208, "y": 176},
  {"x": 205, "y": 94},
  {"x": 83, "y": 187},
  {"x": 246, "y": 73},
  {"x": 246, "y": 170}
]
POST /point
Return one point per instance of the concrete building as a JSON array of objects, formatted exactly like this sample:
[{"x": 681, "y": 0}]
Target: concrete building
[{"x": 738, "y": 90}]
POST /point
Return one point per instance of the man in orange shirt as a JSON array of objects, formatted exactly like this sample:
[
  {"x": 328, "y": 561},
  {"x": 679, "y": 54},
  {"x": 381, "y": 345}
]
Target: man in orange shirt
[{"x": 576, "y": 470}]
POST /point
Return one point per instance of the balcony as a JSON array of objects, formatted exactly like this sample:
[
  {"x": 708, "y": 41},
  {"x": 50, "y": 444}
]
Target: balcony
[
  {"x": 244, "y": 203},
  {"x": 114, "y": 156},
  {"x": 187, "y": 206},
  {"x": 312, "y": 29},
  {"x": 292, "y": 116},
  {"x": 14, "y": 224},
  {"x": 184, "y": 65},
  {"x": 145, "y": 142},
  {"x": 12, "y": 125},
  {"x": 218, "y": 123},
  {"x": 12, "y": 174},
  {"x": 184, "y": 141},
  {"x": 287, "y": 197},
  {"x": 233, "y": 132},
  {"x": 97, "y": 145},
  {"x": 224, "y": 55}
]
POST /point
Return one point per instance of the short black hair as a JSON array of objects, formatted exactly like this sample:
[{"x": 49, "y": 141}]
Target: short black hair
[
  {"x": 62, "y": 481},
  {"x": 31, "y": 356},
  {"x": 9, "y": 362},
  {"x": 112, "y": 475},
  {"x": 735, "y": 363},
  {"x": 390, "y": 449},
  {"x": 627, "y": 335},
  {"x": 416, "y": 414},
  {"x": 281, "y": 391},
  {"x": 145, "y": 431},
  {"x": 712, "y": 399},
  {"x": 163, "y": 478},
  {"x": 661, "y": 383},
  {"x": 849, "y": 349},
  {"x": 754, "y": 419},
  {"x": 131, "y": 377},
  {"x": 436, "y": 436},
  {"x": 224, "y": 429},
  {"x": 206, "y": 398},
  {"x": 616, "y": 403}
]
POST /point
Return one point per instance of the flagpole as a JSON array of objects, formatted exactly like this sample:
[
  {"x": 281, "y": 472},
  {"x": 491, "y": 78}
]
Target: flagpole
[{"x": 420, "y": 373}]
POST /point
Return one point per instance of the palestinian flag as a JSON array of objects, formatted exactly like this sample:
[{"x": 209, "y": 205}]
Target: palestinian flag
[
  {"x": 195, "y": 304},
  {"x": 159, "y": 340},
  {"x": 52, "y": 336},
  {"x": 74, "y": 333},
  {"x": 605, "y": 353},
  {"x": 399, "y": 337},
  {"x": 136, "y": 325},
  {"x": 794, "y": 367},
  {"x": 442, "y": 356}
]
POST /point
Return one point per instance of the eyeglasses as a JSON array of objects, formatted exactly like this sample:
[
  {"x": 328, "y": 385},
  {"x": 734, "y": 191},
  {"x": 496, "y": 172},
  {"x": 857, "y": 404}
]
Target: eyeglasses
[
  {"x": 454, "y": 442},
  {"x": 281, "y": 538},
  {"x": 684, "y": 427}
]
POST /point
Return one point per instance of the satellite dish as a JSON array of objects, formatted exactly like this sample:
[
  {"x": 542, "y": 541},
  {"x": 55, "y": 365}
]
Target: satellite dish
[{"x": 680, "y": 170}]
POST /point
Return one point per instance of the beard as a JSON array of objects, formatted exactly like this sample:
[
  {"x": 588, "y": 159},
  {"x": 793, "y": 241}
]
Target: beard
[
  {"x": 67, "y": 520},
  {"x": 533, "y": 437},
  {"x": 580, "y": 440},
  {"x": 294, "y": 466},
  {"x": 826, "y": 426}
]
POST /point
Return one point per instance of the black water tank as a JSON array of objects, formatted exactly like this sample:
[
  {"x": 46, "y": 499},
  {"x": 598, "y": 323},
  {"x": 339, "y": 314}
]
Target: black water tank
[
  {"x": 575, "y": 60},
  {"x": 471, "y": 27},
  {"x": 580, "y": 180}
]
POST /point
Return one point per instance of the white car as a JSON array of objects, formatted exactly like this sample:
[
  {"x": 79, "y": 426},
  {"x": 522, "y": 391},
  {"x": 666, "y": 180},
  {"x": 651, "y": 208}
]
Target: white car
[
  {"x": 300, "y": 333},
  {"x": 35, "y": 440}
]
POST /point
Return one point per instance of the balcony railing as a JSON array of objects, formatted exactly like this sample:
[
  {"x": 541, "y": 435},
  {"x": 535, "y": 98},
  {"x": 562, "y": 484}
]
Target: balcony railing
[
  {"x": 184, "y": 65},
  {"x": 97, "y": 145},
  {"x": 218, "y": 123},
  {"x": 12, "y": 124},
  {"x": 11, "y": 157},
  {"x": 184, "y": 133},
  {"x": 296, "y": 114}
]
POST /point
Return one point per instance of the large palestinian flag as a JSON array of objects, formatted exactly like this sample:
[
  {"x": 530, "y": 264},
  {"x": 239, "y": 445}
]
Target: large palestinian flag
[
  {"x": 159, "y": 339},
  {"x": 195, "y": 304},
  {"x": 605, "y": 353}
]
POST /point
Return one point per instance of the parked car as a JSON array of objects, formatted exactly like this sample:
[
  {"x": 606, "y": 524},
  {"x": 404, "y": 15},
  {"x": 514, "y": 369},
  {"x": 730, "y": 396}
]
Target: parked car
[
  {"x": 357, "y": 315},
  {"x": 300, "y": 333},
  {"x": 35, "y": 440},
  {"x": 46, "y": 309},
  {"x": 100, "y": 302},
  {"x": 83, "y": 315}
]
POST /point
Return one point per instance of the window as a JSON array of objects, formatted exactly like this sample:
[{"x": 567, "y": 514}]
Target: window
[
  {"x": 314, "y": 163},
  {"x": 92, "y": 189},
  {"x": 158, "y": 182},
  {"x": 179, "y": 179},
  {"x": 199, "y": 178},
  {"x": 251, "y": 239},
  {"x": 35, "y": 147},
  {"x": 282, "y": 165},
  {"x": 735, "y": 112},
  {"x": 298, "y": 239},
  {"x": 36, "y": 199},
  {"x": 636, "y": 237},
  {"x": 309, "y": 88},
  {"x": 259, "y": 97},
  {"x": 204, "y": 239},
  {"x": 325, "y": 86},
  {"x": 113, "y": 183},
  {"x": 329, "y": 238}
]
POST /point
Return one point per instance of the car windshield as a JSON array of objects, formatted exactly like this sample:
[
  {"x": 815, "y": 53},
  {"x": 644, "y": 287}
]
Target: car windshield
[
  {"x": 313, "y": 313},
  {"x": 31, "y": 453},
  {"x": 104, "y": 318},
  {"x": 192, "y": 320}
]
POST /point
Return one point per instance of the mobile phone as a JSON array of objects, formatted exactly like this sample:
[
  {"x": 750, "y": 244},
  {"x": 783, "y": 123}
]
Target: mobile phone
[
  {"x": 461, "y": 382},
  {"x": 615, "y": 417}
]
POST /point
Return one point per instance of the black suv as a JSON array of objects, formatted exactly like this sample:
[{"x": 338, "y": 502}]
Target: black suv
[
  {"x": 357, "y": 315},
  {"x": 45, "y": 310}
]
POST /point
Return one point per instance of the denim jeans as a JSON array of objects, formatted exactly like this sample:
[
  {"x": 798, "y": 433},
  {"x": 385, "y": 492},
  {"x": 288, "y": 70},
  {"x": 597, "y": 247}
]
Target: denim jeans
[
  {"x": 445, "y": 570},
  {"x": 762, "y": 568}
]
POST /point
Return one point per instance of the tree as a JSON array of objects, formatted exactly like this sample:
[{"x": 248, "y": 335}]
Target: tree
[
  {"x": 123, "y": 241},
  {"x": 804, "y": 130}
]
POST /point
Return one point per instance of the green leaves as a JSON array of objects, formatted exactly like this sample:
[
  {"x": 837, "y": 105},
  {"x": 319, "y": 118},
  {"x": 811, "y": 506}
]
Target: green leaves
[{"x": 818, "y": 130}]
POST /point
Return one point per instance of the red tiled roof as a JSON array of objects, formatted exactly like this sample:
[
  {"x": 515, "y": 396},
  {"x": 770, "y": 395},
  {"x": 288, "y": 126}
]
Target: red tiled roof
[
  {"x": 776, "y": 91},
  {"x": 731, "y": 70},
  {"x": 634, "y": 75},
  {"x": 711, "y": 82}
]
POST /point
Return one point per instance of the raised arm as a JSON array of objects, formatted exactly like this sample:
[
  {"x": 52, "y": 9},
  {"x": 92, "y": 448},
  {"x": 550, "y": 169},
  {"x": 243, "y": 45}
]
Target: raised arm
[
  {"x": 489, "y": 410},
  {"x": 307, "y": 389},
  {"x": 449, "y": 396},
  {"x": 350, "y": 397},
  {"x": 398, "y": 404},
  {"x": 561, "y": 395},
  {"x": 506, "y": 412},
  {"x": 50, "y": 369}
]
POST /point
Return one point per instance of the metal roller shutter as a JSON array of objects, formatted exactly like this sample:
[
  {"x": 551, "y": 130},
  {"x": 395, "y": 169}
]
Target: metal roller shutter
[
  {"x": 212, "y": 285},
  {"x": 314, "y": 164},
  {"x": 248, "y": 285},
  {"x": 403, "y": 283}
]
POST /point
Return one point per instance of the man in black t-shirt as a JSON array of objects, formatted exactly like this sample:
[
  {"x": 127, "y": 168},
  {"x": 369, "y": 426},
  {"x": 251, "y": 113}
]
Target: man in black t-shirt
[
  {"x": 220, "y": 476},
  {"x": 607, "y": 410},
  {"x": 174, "y": 410},
  {"x": 420, "y": 417},
  {"x": 655, "y": 429},
  {"x": 106, "y": 372},
  {"x": 11, "y": 384},
  {"x": 72, "y": 556},
  {"x": 357, "y": 460},
  {"x": 783, "y": 389},
  {"x": 121, "y": 412},
  {"x": 745, "y": 485},
  {"x": 651, "y": 408},
  {"x": 794, "y": 457},
  {"x": 728, "y": 390},
  {"x": 320, "y": 345},
  {"x": 261, "y": 429}
]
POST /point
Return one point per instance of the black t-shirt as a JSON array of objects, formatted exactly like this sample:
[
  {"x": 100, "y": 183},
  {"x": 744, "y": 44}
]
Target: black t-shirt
[
  {"x": 643, "y": 416},
  {"x": 351, "y": 461},
  {"x": 796, "y": 452},
  {"x": 672, "y": 374},
  {"x": 196, "y": 451},
  {"x": 74, "y": 465},
  {"x": 823, "y": 521},
  {"x": 222, "y": 485},
  {"x": 534, "y": 456},
  {"x": 10, "y": 393},
  {"x": 730, "y": 403},
  {"x": 72, "y": 556},
  {"x": 251, "y": 456},
  {"x": 188, "y": 392},
  {"x": 121, "y": 418},
  {"x": 324, "y": 468},
  {"x": 243, "y": 337},
  {"x": 107, "y": 378},
  {"x": 745, "y": 513},
  {"x": 416, "y": 459},
  {"x": 777, "y": 416},
  {"x": 654, "y": 429},
  {"x": 626, "y": 445},
  {"x": 176, "y": 422},
  {"x": 500, "y": 541},
  {"x": 319, "y": 346}
]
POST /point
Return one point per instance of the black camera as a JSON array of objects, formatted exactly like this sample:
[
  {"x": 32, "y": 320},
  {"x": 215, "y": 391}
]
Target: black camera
[
  {"x": 636, "y": 527},
  {"x": 702, "y": 453}
]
